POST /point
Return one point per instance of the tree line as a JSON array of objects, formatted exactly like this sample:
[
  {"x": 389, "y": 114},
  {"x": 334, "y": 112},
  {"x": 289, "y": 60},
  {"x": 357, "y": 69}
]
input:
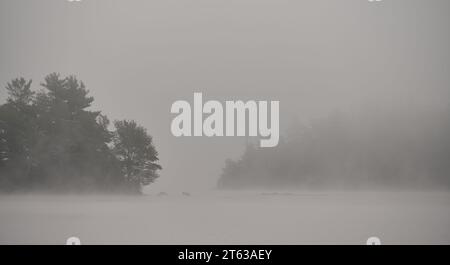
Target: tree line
[
  {"x": 381, "y": 147},
  {"x": 50, "y": 140}
]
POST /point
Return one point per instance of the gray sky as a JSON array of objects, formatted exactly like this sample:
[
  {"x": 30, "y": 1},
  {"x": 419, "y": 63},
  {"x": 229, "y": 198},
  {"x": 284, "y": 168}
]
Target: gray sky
[{"x": 139, "y": 56}]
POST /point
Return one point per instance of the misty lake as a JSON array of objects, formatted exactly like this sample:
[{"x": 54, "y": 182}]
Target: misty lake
[{"x": 228, "y": 218}]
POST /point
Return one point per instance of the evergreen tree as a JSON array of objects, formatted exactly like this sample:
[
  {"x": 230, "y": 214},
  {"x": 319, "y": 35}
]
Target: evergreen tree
[{"x": 50, "y": 140}]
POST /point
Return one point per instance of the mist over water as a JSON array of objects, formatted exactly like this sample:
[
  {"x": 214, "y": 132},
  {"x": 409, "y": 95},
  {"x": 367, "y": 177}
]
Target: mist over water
[
  {"x": 364, "y": 120},
  {"x": 229, "y": 218}
]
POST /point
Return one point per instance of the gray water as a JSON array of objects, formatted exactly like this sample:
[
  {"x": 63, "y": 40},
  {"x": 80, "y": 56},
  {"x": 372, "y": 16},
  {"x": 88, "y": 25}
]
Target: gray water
[{"x": 228, "y": 218}]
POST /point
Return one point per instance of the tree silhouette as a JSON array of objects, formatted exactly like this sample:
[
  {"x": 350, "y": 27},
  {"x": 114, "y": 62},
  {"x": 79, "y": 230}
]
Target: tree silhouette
[
  {"x": 134, "y": 149},
  {"x": 375, "y": 149},
  {"x": 50, "y": 140}
]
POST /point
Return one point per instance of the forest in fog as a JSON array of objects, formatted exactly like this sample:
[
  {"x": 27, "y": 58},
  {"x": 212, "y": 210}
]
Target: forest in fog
[
  {"x": 378, "y": 147},
  {"x": 51, "y": 141}
]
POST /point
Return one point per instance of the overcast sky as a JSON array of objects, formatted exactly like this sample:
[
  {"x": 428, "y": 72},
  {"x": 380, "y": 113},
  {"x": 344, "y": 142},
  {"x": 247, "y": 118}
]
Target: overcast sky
[{"x": 315, "y": 56}]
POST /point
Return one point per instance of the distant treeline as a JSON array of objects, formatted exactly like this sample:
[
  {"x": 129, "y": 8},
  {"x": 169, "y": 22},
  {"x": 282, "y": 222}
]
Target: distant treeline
[
  {"x": 396, "y": 148},
  {"x": 50, "y": 141}
]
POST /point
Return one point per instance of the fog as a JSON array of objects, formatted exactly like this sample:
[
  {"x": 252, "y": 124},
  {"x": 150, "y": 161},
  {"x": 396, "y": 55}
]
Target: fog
[
  {"x": 381, "y": 66},
  {"x": 315, "y": 57},
  {"x": 229, "y": 218}
]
